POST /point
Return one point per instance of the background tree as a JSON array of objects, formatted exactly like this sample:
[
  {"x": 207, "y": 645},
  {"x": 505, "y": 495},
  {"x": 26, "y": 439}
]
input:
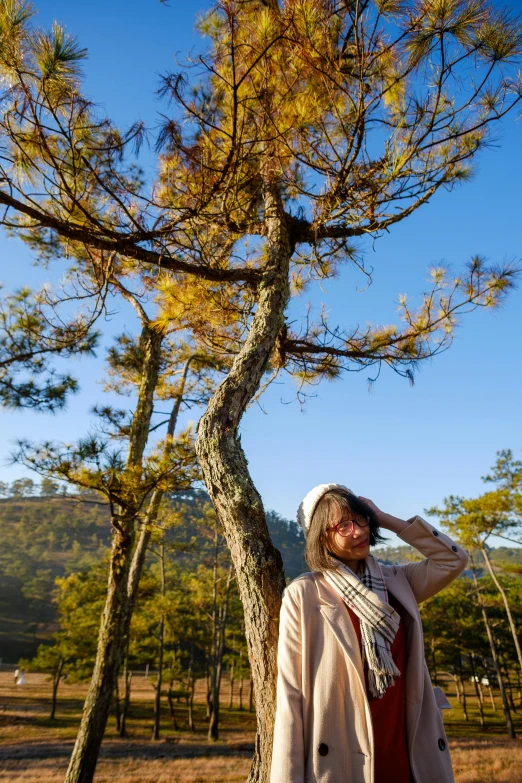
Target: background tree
[
  {"x": 132, "y": 486},
  {"x": 308, "y": 126},
  {"x": 31, "y": 336},
  {"x": 473, "y": 521}
]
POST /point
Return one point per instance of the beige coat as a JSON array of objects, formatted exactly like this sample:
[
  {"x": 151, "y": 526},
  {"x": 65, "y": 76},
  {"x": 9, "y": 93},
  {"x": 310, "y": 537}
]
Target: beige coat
[{"x": 321, "y": 696}]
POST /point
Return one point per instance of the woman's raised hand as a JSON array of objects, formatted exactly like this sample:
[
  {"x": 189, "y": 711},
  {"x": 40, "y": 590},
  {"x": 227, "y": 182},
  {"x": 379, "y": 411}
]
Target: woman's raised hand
[{"x": 371, "y": 505}]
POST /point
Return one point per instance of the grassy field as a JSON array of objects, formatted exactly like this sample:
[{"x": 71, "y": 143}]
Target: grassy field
[{"x": 34, "y": 749}]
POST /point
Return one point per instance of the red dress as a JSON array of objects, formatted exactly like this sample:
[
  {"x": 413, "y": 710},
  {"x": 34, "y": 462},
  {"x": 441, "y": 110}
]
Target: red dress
[{"x": 392, "y": 764}]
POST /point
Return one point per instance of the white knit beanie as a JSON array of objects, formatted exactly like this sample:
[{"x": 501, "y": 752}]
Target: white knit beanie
[{"x": 311, "y": 499}]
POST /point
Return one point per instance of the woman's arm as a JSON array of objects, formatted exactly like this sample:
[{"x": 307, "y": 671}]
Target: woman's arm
[
  {"x": 444, "y": 558},
  {"x": 288, "y": 746}
]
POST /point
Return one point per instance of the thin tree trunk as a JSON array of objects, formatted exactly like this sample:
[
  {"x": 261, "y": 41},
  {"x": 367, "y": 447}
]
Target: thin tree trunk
[
  {"x": 240, "y": 694},
  {"x": 116, "y": 615},
  {"x": 191, "y": 685},
  {"x": 505, "y": 705},
  {"x": 126, "y": 699},
  {"x": 56, "y": 683},
  {"x": 506, "y": 606},
  {"x": 217, "y": 660},
  {"x": 172, "y": 709},
  {"x": 191, "y": 723},
  {"x": 257, "y": 562},
  {"x": 509, "y": 686},
  {"x": 161, "y": 642},
  {"x": 478, "y": 676},
  {"x": 151, "y": 516},
  {"x": 126, "y": 691},
  {"x": 463, "y": 686},
  {"x": 433, "y": 662},
  {"x": 477, "y": 691},
  {"x": 231, "y": 702},
  {"x": 117, "y": 710},
  {"x": 207, "y": 682}
]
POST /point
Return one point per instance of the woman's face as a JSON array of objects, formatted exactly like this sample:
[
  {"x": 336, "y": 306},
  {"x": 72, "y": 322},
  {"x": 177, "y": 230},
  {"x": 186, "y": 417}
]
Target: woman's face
[{"x": 356, "y": 545}]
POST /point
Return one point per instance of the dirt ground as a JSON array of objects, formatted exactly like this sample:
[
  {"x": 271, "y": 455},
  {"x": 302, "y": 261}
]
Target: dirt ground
[{"x": 34, "y": 749}]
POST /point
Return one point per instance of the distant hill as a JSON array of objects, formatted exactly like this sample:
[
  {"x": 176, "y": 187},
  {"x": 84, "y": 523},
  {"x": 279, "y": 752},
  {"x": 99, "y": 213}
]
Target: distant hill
[
  {"x": 42, "y": 538},
  {"x": 46, "y": 537}
]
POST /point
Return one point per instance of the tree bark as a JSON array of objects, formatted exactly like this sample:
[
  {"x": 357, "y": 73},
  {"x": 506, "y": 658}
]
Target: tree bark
[
  {"x": 506, "y": 606},
  {"x": 116, "y": 615},
  {"x": 257, "y": 562}
]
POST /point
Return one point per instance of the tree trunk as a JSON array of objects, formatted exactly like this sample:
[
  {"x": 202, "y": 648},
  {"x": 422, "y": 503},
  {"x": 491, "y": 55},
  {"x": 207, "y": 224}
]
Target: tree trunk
[
  {"x": 506, "y": 606},
  {"x": 509, "y": 686},
  {"x": 172, "y": 710},
  {"x": 117, "y": 710},
  {"x": 257, "y": 562},
  {"x": 207, "y": 682},
  {"x": 116, "y": 615},
  {"x": 250, "y": 696},
  {"x": 433, "y": 662},
  {"x": 191, "y": 724},
  {"x": 161, "y": 642},
  {"x": 505, "y": 705},
  {"x": 240, "y": 694},
  {"x": 463, "y": 687},
  {"x": 190, "y": 687},
  {"x": 231, "y": 702},
  {"x": 56, "y": 682},
  {"x": 479, "y": 684},
  {"x": 492, "y": 697},
  {"x": 217, "y": 660},
  {"x": 127, "y": 679},
  {"x": 140, "y": 550},
  {"x": 477, "y": 691}
]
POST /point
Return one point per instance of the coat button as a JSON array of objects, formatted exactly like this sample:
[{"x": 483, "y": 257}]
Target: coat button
[
  {"x": 454, "y": 548},
  {"x": 442, "y": 744},
  {"x": 435, "y": 532},
  {"x": 323, "y": 749}
]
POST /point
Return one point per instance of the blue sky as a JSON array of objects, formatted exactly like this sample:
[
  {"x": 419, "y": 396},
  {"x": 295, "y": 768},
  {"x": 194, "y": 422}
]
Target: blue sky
[{"x": 405, "y": 447}]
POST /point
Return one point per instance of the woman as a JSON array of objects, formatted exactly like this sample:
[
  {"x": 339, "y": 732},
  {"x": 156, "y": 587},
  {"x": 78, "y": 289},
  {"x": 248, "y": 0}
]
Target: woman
[{"x": 355, "y": 702}]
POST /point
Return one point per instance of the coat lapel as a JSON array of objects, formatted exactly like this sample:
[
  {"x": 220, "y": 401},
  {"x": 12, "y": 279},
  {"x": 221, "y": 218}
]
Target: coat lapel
[{"x": 331, "y": 607}]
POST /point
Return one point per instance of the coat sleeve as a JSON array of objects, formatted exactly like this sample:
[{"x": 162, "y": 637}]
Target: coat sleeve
[
  {"x": 444, "y": 559},
  {"x": 288, "y": 744}
]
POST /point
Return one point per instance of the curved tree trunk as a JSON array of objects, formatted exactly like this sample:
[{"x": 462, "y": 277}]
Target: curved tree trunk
[
  {"x": 116, "y": 615},
  {"x": 257, "y": 562}
]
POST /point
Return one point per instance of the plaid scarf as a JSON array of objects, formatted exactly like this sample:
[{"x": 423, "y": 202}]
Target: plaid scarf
[{"x": 368, "y": 598}]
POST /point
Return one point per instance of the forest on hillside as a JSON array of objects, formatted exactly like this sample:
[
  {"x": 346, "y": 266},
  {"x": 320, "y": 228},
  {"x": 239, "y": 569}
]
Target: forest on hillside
[{"x": 55, "y": 544}]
